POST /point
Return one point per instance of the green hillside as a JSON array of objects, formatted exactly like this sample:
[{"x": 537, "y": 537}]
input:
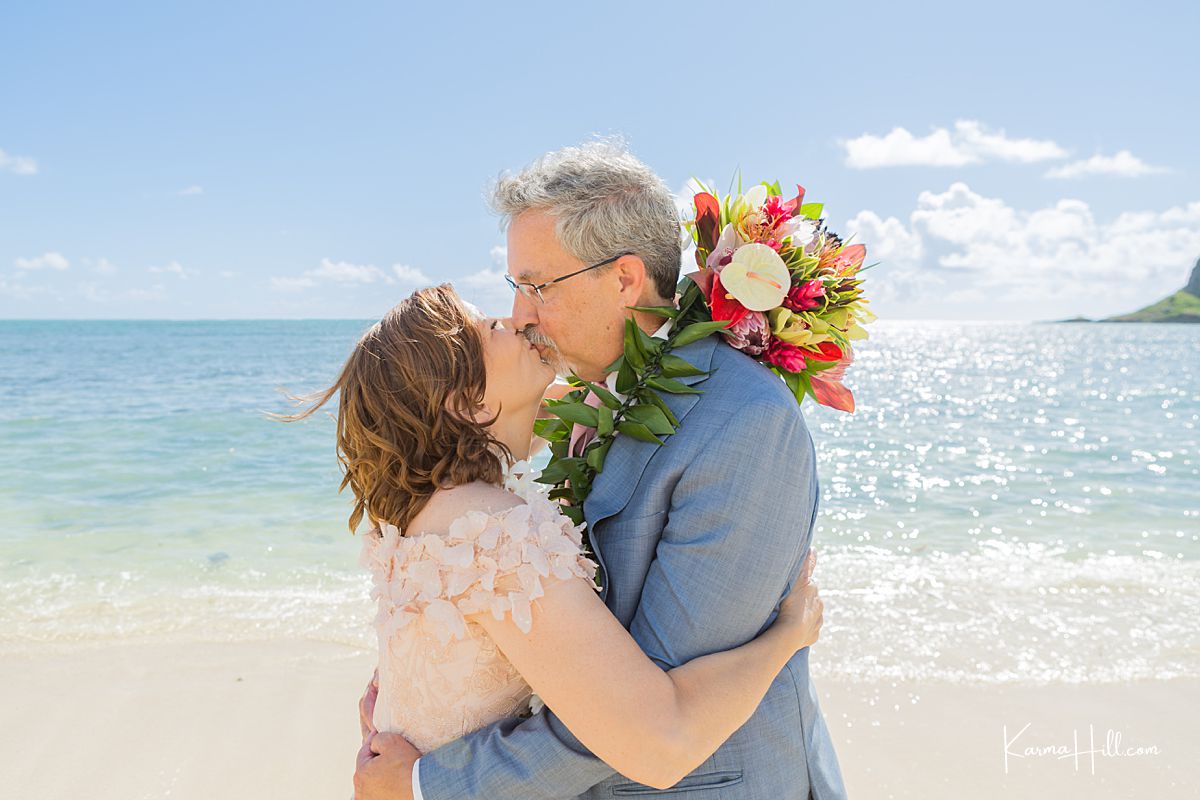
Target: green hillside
[{"x": 1183, "y": 306}]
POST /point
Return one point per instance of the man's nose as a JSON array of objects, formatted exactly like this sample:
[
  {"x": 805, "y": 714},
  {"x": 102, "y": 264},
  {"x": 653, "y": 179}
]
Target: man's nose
[{"x": 524, "y": 312}]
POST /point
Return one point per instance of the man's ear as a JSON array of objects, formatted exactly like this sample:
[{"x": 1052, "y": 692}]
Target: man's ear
[{"x": 631, "y": 272}]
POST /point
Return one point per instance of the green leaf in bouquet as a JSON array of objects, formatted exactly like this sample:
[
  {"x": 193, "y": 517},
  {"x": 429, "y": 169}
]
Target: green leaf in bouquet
[
  {"x": 638, "y": 431},
  {"x": 812, "y": 210},
  {"x": 820, "y": 366}
]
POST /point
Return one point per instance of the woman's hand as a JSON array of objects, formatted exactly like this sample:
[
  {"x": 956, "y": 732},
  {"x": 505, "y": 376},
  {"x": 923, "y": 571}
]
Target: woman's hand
[{"x": 802, "y": 612}]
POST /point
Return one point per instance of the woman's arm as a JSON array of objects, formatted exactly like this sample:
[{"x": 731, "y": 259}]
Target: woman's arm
[{"x": 652, "y": 726}]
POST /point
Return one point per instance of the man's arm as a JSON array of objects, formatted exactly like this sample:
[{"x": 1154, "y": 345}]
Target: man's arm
[{"x": 739, "y": 523}]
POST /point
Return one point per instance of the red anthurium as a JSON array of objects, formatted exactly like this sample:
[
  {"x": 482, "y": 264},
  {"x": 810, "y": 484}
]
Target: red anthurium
[
  {"x": 708, "y": 220},
  {"x": 826, "y": 351},
  {"x": 723, "y": 304}
]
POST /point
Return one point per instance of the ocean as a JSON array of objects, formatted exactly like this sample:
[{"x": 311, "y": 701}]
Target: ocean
[{"x": 1011, "y": 502}]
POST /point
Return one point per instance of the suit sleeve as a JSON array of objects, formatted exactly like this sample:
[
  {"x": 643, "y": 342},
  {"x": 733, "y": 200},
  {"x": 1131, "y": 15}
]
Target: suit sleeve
[{"x": 739, "y": 524}]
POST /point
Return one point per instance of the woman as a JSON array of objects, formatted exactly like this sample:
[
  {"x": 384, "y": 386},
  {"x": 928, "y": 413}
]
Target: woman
[{"x": 484, "y": 594}]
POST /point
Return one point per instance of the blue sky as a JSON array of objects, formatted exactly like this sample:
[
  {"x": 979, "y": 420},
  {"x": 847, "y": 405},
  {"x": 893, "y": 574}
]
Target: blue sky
[{"x": 263, "y": 160}]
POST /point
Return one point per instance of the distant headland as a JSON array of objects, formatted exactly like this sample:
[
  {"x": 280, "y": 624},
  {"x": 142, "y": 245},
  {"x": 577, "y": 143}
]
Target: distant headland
[{"x": 1182, "y": 306}]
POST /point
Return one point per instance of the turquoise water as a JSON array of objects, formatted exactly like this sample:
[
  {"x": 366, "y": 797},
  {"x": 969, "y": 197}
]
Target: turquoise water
[{"x": 1011, "y": 502}]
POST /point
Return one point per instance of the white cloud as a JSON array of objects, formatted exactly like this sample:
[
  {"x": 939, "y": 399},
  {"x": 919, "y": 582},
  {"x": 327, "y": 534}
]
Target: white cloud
[
  {"x": 174, "y": 268},
  {"x": 410, "y": 275},
  {"x": 968, "y": 143},
  {"x": 18, "y": 165},
  {"x": 959, "y": 241},
  {"x": 1124, "y": 164},
  {"x": 191, "y": 190},
  {"x": 100, "y": 265},
  {"x": 345, "y": 273},
  {"x": 52, "y": 260},
  {"x": 888, "y": 239},
  {"x": 487, "y": 288}
]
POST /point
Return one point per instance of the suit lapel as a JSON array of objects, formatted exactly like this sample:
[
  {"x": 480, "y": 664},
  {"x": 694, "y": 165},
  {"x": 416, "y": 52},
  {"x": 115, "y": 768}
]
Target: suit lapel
[{"x": 627, "y": 458}]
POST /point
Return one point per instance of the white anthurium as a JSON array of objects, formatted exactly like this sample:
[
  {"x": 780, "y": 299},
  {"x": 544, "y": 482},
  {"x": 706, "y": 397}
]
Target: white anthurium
[{"x": 757, "y": 277}]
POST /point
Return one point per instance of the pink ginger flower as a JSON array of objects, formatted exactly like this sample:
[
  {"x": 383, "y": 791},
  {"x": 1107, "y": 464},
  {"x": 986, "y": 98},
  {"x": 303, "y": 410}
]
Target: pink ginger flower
[
  {"x": 751, "y": 334},
  {"x": 803, "y": 297},
  {"x": 785, "y": 356}
]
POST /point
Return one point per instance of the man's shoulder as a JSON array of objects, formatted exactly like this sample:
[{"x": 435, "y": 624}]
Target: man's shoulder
[{"x": 740, "y": 379}]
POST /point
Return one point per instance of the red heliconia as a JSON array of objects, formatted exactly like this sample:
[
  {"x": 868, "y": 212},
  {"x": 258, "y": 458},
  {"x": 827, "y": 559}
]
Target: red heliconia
[{"x": 708, "y": 220}]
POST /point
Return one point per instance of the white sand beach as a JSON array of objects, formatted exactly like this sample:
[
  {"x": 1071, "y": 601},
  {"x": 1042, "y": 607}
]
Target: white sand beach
[{"x": 278, "y": 720}]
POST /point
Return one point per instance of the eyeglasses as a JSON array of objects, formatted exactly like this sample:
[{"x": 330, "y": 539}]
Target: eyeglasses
[{"x": 533, "y": 291}]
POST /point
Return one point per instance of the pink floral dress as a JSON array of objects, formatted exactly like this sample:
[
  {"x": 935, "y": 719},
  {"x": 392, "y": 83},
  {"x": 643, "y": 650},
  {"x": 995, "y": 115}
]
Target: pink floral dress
[{"x": 440, "y": 675}]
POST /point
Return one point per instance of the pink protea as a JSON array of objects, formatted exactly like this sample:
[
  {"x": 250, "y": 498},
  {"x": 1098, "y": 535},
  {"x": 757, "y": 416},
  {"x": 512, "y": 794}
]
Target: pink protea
[
  {"x": 803, "y": 297},
  {"x": 751, "y": 334},
  {"x": 785, "y": 356}
]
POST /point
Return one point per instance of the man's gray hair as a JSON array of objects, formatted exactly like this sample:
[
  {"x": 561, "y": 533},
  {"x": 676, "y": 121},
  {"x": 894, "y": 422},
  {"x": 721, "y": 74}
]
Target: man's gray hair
[{"x": 604, "y": 202}]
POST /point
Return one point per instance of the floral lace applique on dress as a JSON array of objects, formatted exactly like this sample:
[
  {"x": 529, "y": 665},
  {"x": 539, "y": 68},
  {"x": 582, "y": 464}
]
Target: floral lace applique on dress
[{"x": 440, "y": 676}]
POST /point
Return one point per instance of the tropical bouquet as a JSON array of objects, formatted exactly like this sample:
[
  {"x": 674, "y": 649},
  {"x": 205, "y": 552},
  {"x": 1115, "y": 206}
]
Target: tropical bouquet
[
  {"x": 786, "y": 287},
  {"x": 772, "y": 279}
]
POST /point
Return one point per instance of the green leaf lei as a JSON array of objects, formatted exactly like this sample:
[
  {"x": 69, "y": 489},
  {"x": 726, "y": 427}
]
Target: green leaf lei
[{"x": 645, "y": 369}]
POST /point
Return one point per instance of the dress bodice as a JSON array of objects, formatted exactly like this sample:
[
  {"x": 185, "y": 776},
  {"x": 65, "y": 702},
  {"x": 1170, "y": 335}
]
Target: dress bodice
[{"x": 440, "y": 675}]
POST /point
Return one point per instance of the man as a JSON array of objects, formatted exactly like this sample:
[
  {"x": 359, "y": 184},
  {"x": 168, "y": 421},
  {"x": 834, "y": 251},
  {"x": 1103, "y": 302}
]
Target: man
[{"x": 698, "y": 539}]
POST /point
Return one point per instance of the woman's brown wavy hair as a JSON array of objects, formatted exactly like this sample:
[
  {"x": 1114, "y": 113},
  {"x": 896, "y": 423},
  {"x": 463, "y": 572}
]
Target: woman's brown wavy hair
[{"x": 405, "y": 425}]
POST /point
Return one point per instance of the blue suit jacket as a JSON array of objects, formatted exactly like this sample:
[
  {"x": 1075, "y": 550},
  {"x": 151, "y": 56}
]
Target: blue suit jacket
[{"x": 699, "y": 540}]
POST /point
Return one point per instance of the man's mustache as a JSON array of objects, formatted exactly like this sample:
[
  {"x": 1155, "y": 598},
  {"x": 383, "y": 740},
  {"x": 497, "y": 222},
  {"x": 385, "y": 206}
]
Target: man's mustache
[{"x": 537, "y": 338}]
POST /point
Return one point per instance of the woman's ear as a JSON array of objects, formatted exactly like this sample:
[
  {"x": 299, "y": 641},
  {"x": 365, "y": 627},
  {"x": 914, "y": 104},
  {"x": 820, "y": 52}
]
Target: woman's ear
[{"x": 480, "y": 414}]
